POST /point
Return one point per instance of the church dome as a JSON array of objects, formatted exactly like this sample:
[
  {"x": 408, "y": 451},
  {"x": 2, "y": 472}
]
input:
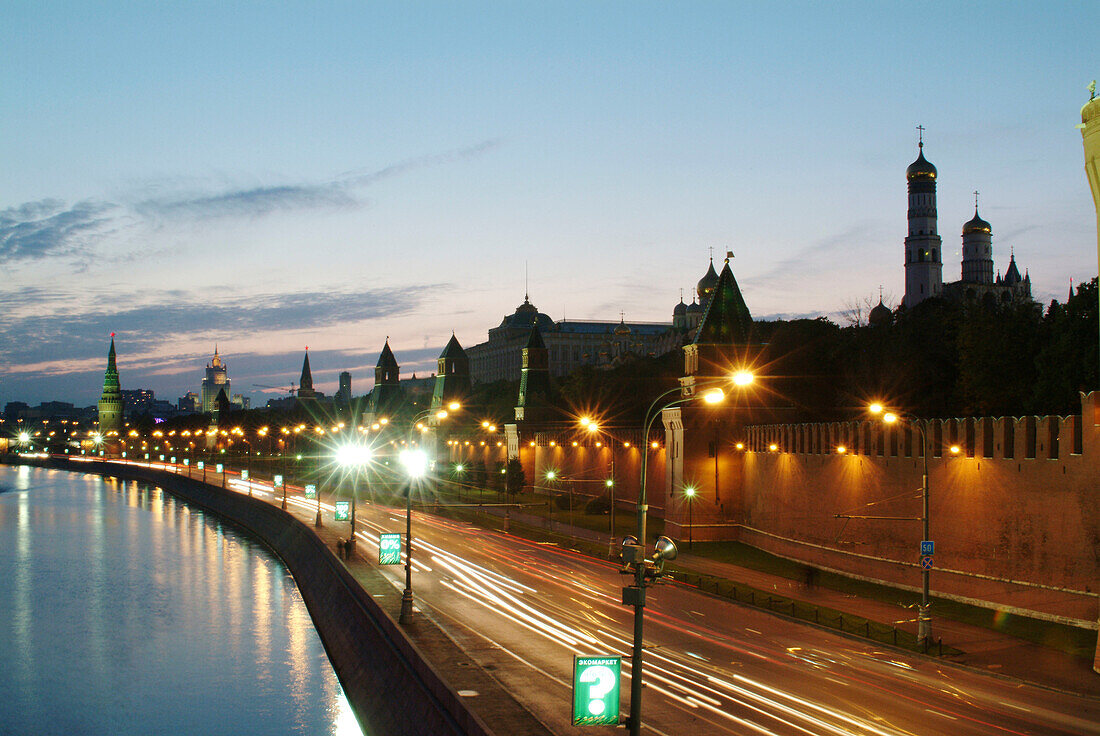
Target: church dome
[
  {"x": 694, "y": 307},
  {"x": 706, "y": 285},
  {"x": 880, "y": 315},
  {"x": 679, "y": 309},
  {"x": 921, "y": 169},
  {"x": 1091, "y": 110},
  {"x": 977, "y": 225}
]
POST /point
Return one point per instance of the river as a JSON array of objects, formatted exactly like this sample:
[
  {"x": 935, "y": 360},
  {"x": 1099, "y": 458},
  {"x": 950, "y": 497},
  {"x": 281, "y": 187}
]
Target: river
[{"x": 125, "y": 611}]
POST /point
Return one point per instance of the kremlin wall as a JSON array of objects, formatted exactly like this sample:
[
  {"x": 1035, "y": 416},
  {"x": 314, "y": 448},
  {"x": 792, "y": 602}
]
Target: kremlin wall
[{"x": 1013, "y": 514}]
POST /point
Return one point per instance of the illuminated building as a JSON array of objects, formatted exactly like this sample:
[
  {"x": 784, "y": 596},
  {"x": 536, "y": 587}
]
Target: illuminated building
[{"x": 217, "y": 378}]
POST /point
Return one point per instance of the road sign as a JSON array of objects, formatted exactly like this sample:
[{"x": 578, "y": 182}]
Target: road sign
[
  {"x": 596, "y": 690},
  {"x": 927, "y": 548},
  {"x": 173, "y": 459},
  {"x": 200, "y": 466},
  {"x": 343, "y": 511},
  {"x": 186, "y": 460},
  {"x": 219, "y": 468},
  {"x": 926, "y": 563},
  {"x": 389, "y": 549},
  {"x": 244, "y": 475},
  {"x": 278, "y": 481},
  {"x": 311, "y": 490}
]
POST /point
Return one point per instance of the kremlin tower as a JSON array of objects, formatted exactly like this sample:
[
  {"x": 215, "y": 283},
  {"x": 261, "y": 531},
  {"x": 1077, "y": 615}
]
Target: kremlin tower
[{"x": 110, "y": 404}]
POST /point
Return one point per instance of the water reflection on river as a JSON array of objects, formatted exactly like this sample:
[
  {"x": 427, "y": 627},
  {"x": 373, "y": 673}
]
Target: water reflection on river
[{"x": 125, "y": 611}]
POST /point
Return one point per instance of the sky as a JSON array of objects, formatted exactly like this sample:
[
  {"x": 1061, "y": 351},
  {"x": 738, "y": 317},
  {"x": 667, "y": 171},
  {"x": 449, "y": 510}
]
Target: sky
[{"x": 271, "y": 176}]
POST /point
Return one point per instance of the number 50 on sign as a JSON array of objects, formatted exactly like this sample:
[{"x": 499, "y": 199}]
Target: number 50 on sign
[{"x": 596, "y": 690}]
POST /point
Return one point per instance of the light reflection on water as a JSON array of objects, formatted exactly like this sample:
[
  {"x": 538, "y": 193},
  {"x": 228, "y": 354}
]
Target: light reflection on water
[{"x": 124, "y": 611}]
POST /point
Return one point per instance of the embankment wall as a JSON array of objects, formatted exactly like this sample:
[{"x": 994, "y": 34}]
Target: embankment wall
[{"x": 389, "y": 684}]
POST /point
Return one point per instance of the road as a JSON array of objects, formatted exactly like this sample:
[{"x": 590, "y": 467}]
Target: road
[{"x": 523, "y": 610}]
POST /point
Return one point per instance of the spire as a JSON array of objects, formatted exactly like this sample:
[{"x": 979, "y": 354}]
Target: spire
[
  {"x": 534, "y": 340},
  {"x": 727, "y": 320},
  {"x": 110, "y": 403},
  {"x": 1070, "y": 290},
  {"x": 453, "y": 348},
  {"x": 306, "y": 381},
  {"x": 385, "y": 358}
]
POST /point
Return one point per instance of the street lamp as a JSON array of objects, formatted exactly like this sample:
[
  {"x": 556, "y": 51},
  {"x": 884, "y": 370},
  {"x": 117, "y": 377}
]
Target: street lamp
[
  {"x": 416, "y": 465},
  {"x": 689, "y": 494},
  {"x": 924, "y": 618},
  {"x": 353, "y": 455},
  {"x": 634, "y": 554}
]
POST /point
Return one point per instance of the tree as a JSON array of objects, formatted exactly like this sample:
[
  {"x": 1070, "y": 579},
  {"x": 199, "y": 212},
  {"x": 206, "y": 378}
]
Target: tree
[{"x": 515, "y": 478}]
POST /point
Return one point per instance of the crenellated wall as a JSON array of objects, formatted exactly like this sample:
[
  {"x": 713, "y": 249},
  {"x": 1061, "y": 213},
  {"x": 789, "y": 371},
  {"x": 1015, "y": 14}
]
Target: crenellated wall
[{"x": 1014, "y": 513}]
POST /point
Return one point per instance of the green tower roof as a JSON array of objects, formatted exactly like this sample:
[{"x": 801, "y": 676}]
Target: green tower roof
[
  {"x": 727, "y": 320},
  {"x": 453, "y": 349},
  {"x": 534, "y": 340}
]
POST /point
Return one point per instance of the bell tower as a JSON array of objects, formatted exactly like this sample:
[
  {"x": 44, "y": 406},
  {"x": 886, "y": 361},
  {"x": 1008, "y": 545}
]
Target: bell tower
[{"x": 923, "y": 248}]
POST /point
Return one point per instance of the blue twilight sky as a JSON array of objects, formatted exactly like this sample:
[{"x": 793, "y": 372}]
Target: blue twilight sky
[{"x": 274, "y": 175}]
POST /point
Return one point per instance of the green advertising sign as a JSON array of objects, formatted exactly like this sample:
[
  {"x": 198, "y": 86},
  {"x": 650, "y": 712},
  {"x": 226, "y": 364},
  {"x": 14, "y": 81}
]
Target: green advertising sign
[
  {"x": 596, "y": 690},
  {"x": 389, "y": 549},
  {"x": 278, "y": 481},
  {"x": 219, "y": 468},
  {"x": 311, "y": 490},
  {"x": 244, "y": 475},
  {"x": 343, "y": 511},
  {"x": 200, "y": 465}
]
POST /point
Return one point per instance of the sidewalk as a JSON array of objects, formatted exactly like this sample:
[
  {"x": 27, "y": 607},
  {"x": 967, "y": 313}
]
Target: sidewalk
[{"x": 981, "y": 648}]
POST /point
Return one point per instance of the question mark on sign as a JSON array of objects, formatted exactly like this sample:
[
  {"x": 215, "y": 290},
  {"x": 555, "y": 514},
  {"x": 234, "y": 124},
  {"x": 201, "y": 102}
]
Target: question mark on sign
[{"x": 604, "y": 683}]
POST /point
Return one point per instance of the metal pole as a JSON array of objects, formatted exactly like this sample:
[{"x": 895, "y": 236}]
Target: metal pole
[
  {"x": 249, "y": 468},
  {"x": 407, "y": 596},
  {"x": 354, "y": 493},
  {"x": 611, "y": 493},
  {"x": 634, "y": 721},
  {"x": 284, "y": 475},
  {"x": 691, "y": 526},
  {"x": 924, "y": 619},
  {"x": 317, "y": 521}
]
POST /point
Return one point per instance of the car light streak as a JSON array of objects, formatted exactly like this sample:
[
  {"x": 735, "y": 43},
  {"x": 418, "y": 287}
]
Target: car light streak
[
  {"x": 519, "y": 609},
  {"x": 538, "y": 630}
]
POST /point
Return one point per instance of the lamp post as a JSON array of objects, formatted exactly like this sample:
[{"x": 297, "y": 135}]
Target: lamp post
[
  {"x": 924, "y": 616},
  {"x": 593, "y": 426},
  {"x": 689, "y": 494},
  {"x": 353, "y": 455},
  {"x": 416, "y": 465},
  {"x": 636, "y": 594}
]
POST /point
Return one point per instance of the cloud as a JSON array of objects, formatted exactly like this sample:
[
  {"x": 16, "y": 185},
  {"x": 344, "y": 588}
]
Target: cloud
[
  {"x": 254, "y": 202},
  {"x": 49, "y": 334},
  {"x": 52, "y": 228},
  {"x": 48, "y": 227}
]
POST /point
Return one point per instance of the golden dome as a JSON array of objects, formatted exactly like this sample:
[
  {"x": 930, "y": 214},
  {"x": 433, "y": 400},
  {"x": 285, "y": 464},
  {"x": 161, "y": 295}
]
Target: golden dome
[{"x": 922, "y": 168}]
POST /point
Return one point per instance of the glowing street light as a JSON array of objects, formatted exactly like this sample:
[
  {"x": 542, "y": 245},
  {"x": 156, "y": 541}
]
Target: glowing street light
[
  {"x": 689, "y": 494},
  {"x": 351, "y": 455},
  {"x": 924, "y": 618},
  {"x": 416, "y": 465}
]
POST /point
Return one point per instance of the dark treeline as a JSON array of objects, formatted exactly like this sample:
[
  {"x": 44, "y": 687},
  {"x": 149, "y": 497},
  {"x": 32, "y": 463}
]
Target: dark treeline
[{"x": 940, "y": 359}]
